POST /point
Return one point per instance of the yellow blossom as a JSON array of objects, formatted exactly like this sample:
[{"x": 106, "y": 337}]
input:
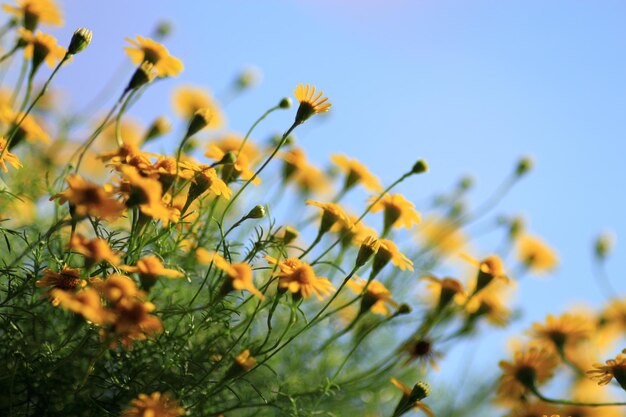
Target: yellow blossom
[
  {"x": 377, "y": 298},
  {"x": 299, "y": 278},
  {"x": 7, "y": 157},
  {"x": 95, "y": 250},
  {"x": 33, "y": 12},
  {"x": 356, "y": 172},
  {"x": 398, "y": 211},
  {"x": 239, "y": 274},
  {"x": 536, "y": 254},
  {"x": 188, "y": 100},
  {"x": 154, "y": 405},
  {"x": 310, "y": 103},
  {"x": 148, "y": 50}
]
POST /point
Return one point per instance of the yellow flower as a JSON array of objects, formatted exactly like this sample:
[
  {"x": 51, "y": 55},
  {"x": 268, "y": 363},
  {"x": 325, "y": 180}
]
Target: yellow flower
[
  {"x": 153, "y": 267},
  {"x": 205, "y": 178},
  {"x": 86, "y": 198},
  {"x": 614, "y": 368},
  {"x": 130, "y": 131},
  {"x": 445, "y": 290},
  {"x": 116, "y": 287},
  {"x": 332, "y": 213},
  {"x": 532, "y": 366},
  {"x": 134, "y": 321},
  {"x": 33, "y": 12},
  {"x": 489, "y": 268},
  {"x": 239, "y": 274},
  {"x": 421, "y": 350},
  {"x": 86, "y": 303},
  {"x": 7, "y": 157},
  {"x": 353, "y": 232},
  {"x": 95, "y": 250},
  {"x": 148, "y": 50},
  {"x": 399, "y": 212},
  {"x": 299, "y": 278},
  {"x": 491, "y": 302},
  {"x": 442, "y": 235},
  {"x": 310, "y": 103},
  {"x": 311, "y": 179},
  {"x": 388, "y": 251},
  {"x": 188, "y": 100},
  {"x": 147, "y": 193},
  {"x": 29, "y": 128},
  {"x": 567, "y": 329},
  {"x": 411, "y": 398},
  {"x": 154, "y": 405},
  {"x": 376, "y": 299},
  {"x": 231, "y": 142},
  {"x": 356, "y": 172},
  {"x": 536, "y": 254},
  {"x": 245, "y": 360},
  {"x": 42, "y": 47},
  {"x": 533, "y": 409},
  {"x": 68, "y": 279}
]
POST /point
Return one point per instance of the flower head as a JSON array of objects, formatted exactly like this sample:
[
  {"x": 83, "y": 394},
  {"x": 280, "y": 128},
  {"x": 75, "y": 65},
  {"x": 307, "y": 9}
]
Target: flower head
[
  {"x": 146, "y": 49},
  {"x": 567, "y": 329},
  {"x": 310, "y": 103},
  {"x": 188, "y": 100},
  {"x": 239, "y": 274},
  {"x": 529, "y": 367},
  {"x": 411, "y": 398},
  {"x": 33, "y": 12},
  {"x": 42, "y": 47},
  {"x": 398, "y": 211},
  {"x": 331, "y": 213},
  {"x": 68, "y": 279},
  {"x": 85, "y": 302},
  {"x": 154, "y": 405},
  {"x": 94, "y": 250},
  {"x": 442, "y": 235},
  {"x": 356, "y": 173},
  {"x": 153, "y": 267},
  {"x": 536, "y": 254},
  {"x": 86, "y": 198},
  {"x": 299, "y": 278},
  {"x": 7, "y": 157},
  {"x": 377, "y": 297},
  {"x": 389, "y": 252},
  {"x": 613, "y": 368}
]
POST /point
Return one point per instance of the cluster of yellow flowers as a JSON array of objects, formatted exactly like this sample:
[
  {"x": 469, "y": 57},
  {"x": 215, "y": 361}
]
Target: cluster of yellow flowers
[{"x": 124, "y": 219}]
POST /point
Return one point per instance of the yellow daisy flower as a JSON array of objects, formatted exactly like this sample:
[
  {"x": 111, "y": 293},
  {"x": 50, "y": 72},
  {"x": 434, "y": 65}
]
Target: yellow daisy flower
[
  {"x": 530, "y": 367},
  {"x": 7, "y": 157},
  {"x": 310, "y": 103},
  {"x": 148, "y": 50},
  {"x": 86, "y": 198},
  {"x": 239, "y": 274},
  {"x": 398, "y": 211},
  {"x": 613, "y": 368},
  {"x": 442, "y": 235},
  {"x": 299, "y": 278},
  {"x": 187, "y": 100},
  {"x": 388, "y": 251},
  {"x": 332, "y": 213},
  {"x": 377, "y": 298},
  {"x": 68, "y": 279},
  {"x": 567, "y": 329},
  {"x": 94, "y": 250},
  {"x": 356, "y": 172},
  {"x": 33, "y": 12},
  {"x": 42, "y": 47},
  {"x": 154, "y": 405},
  {"x": 536, "y": 254}
]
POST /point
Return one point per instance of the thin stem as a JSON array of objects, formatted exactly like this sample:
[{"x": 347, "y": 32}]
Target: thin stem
[
  {"x": 10, "y": 53},
  {"x": 118, "y": 120},
  {"x": 539, "y": 395},
  {"x": 245, "y": 139}
]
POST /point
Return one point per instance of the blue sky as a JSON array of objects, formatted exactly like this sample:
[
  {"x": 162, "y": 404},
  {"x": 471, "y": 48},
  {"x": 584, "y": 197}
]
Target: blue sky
[{"x": 469, "y": 86}]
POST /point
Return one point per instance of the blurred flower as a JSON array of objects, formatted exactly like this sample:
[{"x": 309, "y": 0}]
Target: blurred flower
[
  {"x": 389, "y": 252},
  {"x": 536, "y": 254},
  {"x": 530, "y": 367},
  {"x": 94, "y": 250},
  {"x": 614, "y": 368},
  {"x": 189, "y": 99},
  {"x": 146, "y": 49},
  {"x": 567, "y": 329},
  {"x": 86, "y": 198},
  {"x": 68, "y": 279},
  {"x": 154, "y": 405},
  {"x": 376, "y": 299},
  {"x": 398, "y": 211},
  {"x": 239, "y": 274},
  {"x": 356, "y": 173},
  {"x": 421, "y": 350},
  {"x": 7, "y": 157},
  {"x": 442, "y": 234},
  {"x": 41, "y": 47},
  {"x": 332, "y": 213},
  {"x": 85, "y": 302},
  {"x": 33, "y": 12}
]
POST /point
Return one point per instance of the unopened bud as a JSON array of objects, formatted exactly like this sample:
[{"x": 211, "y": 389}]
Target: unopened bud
[
  {"x": 248, "y": 78},
  {"x": 404, "y": 309},
  {"x": 163, "y": 29},
  {"x": 161, "y": 126},
  {"x": 257, "y": 212},
  {"x": 285, "y": 103},
  {"x": 604, "y": 245},
  {"x": 290, "y": 235},
  {"x": 368, "y": 248},
  {"x": 80, "y": 40},
  {"x": 420, "y": 167},
  {"x": 523, "y": 166}
]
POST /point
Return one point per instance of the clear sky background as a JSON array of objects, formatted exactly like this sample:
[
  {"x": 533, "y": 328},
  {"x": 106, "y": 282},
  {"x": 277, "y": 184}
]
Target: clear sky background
[{"x": 467, "y": 85}]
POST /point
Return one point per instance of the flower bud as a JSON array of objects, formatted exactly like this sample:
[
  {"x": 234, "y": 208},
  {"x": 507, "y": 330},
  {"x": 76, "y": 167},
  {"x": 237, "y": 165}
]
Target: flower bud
[
  {"x": 80, "y": 40},
  {"x": 163, "y": 29},
  {"x": 523, "y": 166},
  {"x": 420, "y": 167},
  {"x": 248, "y": 78},
  {"x": 257, "y": 212},
  {"x": 290, "y": 234},
  {"x": 285, "y": 103},
  {"x": 404, "y": 309},
  {"x": 604, "y": 245}
]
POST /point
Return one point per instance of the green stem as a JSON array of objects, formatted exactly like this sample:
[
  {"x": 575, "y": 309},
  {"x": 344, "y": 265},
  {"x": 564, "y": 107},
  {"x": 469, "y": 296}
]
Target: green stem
[
  {"x": 543, "y": 398},
  {"x": 245, "y": 139}
]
